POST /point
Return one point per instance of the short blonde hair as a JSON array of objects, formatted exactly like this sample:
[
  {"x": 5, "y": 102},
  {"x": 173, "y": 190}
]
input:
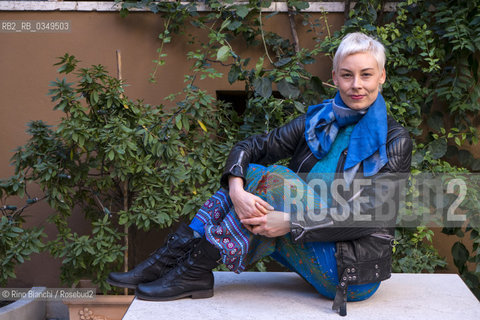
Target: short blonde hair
[{"x": 359, "y": 42}]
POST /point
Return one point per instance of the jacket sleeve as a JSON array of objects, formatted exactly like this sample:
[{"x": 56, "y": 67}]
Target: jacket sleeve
[
  {"x": 264, "y": 149},
  {"x": 365, "y": 209}
]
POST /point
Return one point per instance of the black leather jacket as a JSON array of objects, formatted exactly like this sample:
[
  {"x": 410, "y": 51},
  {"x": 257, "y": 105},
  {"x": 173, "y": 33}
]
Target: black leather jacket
[{"x": 363, "y": 248}]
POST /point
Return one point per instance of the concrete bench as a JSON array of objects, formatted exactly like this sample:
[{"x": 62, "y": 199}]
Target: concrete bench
[{"x": 284, "y": 295}]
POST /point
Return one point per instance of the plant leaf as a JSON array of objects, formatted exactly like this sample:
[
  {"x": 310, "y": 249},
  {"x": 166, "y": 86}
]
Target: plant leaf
[
  {"x": 223, "y": 53},
  {"x": 263, "y": 87},
  {"x": 438, "y": 148},
  {"x": 287, "y": 89},
  {"x": 202, "y": 125}
]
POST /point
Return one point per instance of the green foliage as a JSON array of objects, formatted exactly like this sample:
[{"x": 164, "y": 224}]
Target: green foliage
[
  {"x": 16, "y": 245},
  {"x": 414, "y": 251},
  {"x": 89, "y": 256},
  {"x": 17, "y": 242}
]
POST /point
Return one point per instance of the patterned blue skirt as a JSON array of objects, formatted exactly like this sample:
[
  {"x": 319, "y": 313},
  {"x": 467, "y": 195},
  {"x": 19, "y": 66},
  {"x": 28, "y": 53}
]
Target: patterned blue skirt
[{"x": 314, "y": 261}]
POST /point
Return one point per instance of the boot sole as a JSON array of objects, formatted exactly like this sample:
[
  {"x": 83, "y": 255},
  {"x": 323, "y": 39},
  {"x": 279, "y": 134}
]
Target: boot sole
[
  {"x": 121, "y": 284},
  {"x": 200, "y": 294}
]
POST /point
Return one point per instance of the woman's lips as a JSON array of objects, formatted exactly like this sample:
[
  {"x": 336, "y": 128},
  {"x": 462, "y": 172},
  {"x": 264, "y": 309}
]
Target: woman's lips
[{"x": 356, "y": 97}]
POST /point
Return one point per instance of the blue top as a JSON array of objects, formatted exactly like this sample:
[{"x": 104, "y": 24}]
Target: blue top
[{"x": 325, "y": 168}]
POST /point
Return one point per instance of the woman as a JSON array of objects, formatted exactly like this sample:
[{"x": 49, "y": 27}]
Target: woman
[{"x": 340, "y": 242}]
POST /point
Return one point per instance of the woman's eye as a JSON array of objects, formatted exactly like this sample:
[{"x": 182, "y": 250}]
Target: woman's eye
[
  {"x": 346, "y": 75},
  {"x": 367, "y": 74}
]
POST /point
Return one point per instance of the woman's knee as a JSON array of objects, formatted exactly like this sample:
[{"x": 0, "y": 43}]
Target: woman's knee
[{"x": 362, "y": 292}]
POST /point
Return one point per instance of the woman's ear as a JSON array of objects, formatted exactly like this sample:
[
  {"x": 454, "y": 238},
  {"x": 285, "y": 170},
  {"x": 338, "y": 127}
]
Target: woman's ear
[
  {"x": 383, "y": 77},
  {"x": 334, "y": 77}
]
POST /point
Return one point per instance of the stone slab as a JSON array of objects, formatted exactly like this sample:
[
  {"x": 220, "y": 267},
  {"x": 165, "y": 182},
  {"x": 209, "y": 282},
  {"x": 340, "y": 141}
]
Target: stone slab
[
  {"x": 284, "y": 295},
  {"x": 25, "y": 308}
]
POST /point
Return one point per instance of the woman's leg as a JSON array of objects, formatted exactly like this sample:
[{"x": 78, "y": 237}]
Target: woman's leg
[
  {"x": 316, "y": 263},
  {"x": 218, "y": 222}
]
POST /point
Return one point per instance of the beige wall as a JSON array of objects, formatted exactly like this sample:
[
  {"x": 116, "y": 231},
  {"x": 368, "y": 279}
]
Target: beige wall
[
  {"x": 26, "y": 66},
  {"x": 26, "y": 63}
]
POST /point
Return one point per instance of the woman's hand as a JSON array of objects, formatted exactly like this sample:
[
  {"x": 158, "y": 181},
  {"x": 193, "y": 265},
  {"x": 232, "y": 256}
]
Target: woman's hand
[
  {"x": 273, "y": 224},
  {"x": 246, "y": 204}
]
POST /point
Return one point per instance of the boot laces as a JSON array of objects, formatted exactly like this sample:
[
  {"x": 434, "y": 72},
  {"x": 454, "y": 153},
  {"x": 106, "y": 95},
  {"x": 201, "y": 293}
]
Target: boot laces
[
  {"x": 193, "y": 252},
  {"x": 166, "y": 247},
  {"x": 181, "y": 265}
]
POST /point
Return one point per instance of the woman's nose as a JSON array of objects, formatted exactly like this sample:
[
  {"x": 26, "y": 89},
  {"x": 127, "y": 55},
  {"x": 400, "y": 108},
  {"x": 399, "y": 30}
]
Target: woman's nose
[{"x": 357, "y": 82}]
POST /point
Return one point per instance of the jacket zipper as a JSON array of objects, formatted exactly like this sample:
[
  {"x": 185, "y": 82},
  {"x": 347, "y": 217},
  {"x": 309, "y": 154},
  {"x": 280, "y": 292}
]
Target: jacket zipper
[
  {"x": 301, "y": 164},
  {"x": 384, "y": 236},
  {"x": 307, "y": 229}
]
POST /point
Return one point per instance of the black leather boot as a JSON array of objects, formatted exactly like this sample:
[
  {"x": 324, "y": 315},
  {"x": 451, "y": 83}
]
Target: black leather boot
[
  {"x": 159, "y": 262},
  {"x": 192, "y": 277}
]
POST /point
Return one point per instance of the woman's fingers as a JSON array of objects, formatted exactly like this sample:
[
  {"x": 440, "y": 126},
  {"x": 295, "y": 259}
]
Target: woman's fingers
[
  {"x": 264, "y": 204},
  {"x": 252, "y": 209},
  {"x": 255, "y": 221},
  {"x": 244, "y": 204},
  {"x": 255, "y": 225},
  {"x": 260, "y": 208},
  {"x": 252, "y": 206},
  {"x": 273, "y": 224},
  {"x": 248, "y": 205},
  {"x": 247, "y": 226}
]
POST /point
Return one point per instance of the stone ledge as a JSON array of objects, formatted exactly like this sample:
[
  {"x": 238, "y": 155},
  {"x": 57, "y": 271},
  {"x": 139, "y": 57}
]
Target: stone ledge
[
  {"x": 25, "y": 308},
  {"x": 284, "y": 295}
]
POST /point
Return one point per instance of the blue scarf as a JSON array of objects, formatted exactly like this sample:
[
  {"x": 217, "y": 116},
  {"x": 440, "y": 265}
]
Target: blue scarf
[{"x": 367, "y": 141}]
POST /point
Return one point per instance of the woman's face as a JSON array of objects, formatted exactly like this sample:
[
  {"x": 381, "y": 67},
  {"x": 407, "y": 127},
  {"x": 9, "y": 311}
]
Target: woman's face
[{"x": 358, "y": 80}]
